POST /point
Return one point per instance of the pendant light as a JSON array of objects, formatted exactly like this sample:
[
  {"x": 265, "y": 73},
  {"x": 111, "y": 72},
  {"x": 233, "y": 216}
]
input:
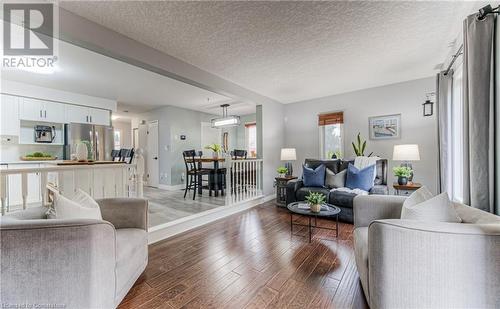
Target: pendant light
[{"x": 226, "y": 120}]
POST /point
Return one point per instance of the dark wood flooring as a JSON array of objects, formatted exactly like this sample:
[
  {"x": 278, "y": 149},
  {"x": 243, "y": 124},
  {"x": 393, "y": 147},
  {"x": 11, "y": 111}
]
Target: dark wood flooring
[{"x": 250, "y": 260}]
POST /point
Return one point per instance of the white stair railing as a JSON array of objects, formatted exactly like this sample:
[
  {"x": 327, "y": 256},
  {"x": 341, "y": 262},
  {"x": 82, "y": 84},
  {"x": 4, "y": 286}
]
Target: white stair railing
[
  {"x": 21, "y": 186},
  {"x": 243, "y": 180}
]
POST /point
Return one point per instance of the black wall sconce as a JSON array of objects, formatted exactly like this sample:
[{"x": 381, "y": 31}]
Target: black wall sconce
[{"x": 428, "y": 105}]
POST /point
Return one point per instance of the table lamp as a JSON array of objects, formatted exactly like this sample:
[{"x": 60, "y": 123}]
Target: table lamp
[
  {"x": 288, "y": 154},
  {"x": 406, "y": 153}
]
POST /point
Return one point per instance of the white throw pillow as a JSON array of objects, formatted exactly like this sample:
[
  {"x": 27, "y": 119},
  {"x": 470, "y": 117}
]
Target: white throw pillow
[
  {"x": 65, "y": 208},
  {"x": 422, "y": 206},
  {"x": 81, "y": 197}
]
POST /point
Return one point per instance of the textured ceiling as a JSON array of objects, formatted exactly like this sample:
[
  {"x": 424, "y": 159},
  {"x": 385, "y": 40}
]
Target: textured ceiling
[
  {"x": 135, "y": 89},
  {"x": 293, "y": 51}
]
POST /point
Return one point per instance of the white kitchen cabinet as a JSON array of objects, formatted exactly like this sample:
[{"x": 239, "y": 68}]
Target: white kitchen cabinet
[
  {"x": 54, "y": 112},
  {"x": 81, "y": 114},
  {"x": 31, "y": 109},
  {"x": 38, "y": 110},
  {"x": 9, "y": 117},
  {"x": 77, "y": 114},
  {"x": 99, "y": 116}
]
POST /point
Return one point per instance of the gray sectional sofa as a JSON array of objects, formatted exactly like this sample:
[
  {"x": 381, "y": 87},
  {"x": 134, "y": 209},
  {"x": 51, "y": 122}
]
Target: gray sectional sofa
[
  {"x": 296, "y": 191},
  {"x": 416, "y": 264},
  {"x": 73, "y": 263}
]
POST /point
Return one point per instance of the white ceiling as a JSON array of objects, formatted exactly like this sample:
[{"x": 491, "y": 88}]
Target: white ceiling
[
  {"x": 293, "y": 51},
  {"x": 136, "y": 90}
]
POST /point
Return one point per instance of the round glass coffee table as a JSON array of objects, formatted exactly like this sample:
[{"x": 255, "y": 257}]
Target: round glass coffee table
[{"x": 302, "y": 209}]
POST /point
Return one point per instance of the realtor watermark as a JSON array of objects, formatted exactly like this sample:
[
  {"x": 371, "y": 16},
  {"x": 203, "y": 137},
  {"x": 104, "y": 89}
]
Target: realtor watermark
[{"x": 29, "y": 31}]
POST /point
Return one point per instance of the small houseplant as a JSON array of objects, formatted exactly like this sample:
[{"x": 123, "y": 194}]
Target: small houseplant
[
  {"x": 315, "y": 200},
  {"x": 359, "y": 147},
  {"x": 216, "y": 148},
  {"x": 281, "y": 171},
  {"x": 403, "y": 173}
]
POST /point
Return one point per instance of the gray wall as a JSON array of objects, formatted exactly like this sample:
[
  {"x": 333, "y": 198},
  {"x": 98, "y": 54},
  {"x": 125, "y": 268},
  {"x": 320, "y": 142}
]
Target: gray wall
[
  {"x": 173, "y": 122},
  {"x": 301, "y": 124},
  {"x": 273, "y": 139}
]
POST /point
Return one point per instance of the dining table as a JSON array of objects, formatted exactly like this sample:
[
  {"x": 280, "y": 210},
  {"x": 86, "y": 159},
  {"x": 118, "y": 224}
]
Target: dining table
[{"x": 215, "y": 162}]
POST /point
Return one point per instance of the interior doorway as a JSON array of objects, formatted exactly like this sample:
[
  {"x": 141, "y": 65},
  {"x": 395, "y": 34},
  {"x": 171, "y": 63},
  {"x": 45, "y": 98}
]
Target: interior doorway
[{"x": 152, "y": 162}]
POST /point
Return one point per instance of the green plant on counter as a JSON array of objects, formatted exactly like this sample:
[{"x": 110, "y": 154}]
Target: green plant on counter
[
  {"x": 38, "y": 155},
  {"x": 282, "y": 170},
  {"x": 315, "y": 198},
  {"x": 214, "y": 147},
  {"x": 359, "y": 147},
  {"x": 402, "y": 171}
]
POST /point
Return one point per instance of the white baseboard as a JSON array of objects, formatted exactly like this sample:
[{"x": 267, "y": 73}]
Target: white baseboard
[
  {"x": 167, "y": 230},
  {"x": 171, "y": 188}
]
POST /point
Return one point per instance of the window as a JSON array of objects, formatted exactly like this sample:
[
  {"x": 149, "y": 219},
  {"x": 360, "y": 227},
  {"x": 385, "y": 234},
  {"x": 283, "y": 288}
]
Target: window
[
  {"x": 251, "y": 139},
  {"x": 331, "y": 133},
  {"x": 117, "y": 138}
]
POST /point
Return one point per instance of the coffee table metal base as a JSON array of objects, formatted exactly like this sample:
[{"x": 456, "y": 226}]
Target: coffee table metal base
[{"x": 315, "y": 226}]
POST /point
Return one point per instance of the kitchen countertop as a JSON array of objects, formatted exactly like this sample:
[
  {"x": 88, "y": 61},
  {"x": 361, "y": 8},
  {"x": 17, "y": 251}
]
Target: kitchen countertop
[{"x": 32, "y": 162}]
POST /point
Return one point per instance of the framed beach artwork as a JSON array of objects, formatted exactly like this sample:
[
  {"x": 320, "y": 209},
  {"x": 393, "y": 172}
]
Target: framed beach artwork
[{"x": 385, "y": 127}]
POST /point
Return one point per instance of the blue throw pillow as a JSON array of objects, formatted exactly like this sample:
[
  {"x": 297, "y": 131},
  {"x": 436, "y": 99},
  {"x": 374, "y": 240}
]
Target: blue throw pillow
[
  {"x": 314, "y": 178},
  {"x": 360, "y": 179}
]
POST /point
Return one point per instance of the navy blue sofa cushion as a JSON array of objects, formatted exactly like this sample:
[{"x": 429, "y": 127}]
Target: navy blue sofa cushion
[
  {"x": 360, "y": 178},
  {"x": 314, "y": 177}
]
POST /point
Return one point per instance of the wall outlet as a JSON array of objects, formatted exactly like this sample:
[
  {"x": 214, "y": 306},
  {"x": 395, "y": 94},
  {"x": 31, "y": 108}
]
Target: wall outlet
[{"x": 183, "y": 176}]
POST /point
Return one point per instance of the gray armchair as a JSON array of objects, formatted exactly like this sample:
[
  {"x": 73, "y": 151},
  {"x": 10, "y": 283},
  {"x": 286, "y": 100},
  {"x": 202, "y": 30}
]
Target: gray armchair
[
  {"x": 414, "y": 264},
  {"x": 73, "y": 263}
]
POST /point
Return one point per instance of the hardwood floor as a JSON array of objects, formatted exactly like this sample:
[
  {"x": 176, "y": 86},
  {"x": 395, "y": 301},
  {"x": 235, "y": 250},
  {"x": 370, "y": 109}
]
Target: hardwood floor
[{"x": 250, "y": 260}]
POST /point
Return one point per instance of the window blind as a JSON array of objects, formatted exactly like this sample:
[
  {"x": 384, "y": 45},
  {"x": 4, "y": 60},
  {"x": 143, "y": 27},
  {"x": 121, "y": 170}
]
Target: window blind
[{"x": 331, "y": 118}]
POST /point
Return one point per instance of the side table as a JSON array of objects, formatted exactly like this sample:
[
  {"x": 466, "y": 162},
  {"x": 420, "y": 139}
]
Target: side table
[
  {"x": 407, "y": 189},
  {"x": 281, "y": 183}
]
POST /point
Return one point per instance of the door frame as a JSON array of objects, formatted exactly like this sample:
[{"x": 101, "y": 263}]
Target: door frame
[{"x": 150, "y": 162}]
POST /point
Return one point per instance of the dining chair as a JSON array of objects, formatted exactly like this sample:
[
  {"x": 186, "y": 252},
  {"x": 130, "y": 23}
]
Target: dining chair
[
  {"x": 126, "y": 155},
  {"x": 115, "y": 155},
  {"x": 194, "y": 172},
  {"x": 238, "y": 154},
  {"x": 220, "y": 178}
]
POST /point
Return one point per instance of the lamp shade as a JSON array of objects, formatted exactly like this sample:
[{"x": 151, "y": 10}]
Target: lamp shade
[
  {"x": 288, "y": 154},
  {"x": 407, "y": 152}
]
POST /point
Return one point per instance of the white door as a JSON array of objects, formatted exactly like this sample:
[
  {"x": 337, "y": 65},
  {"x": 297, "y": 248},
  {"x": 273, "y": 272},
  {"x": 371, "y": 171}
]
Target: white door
[
  {"x": 9, "y": 110},
  {"x": 77, "y": 114},
  {"x": 153, "y": 166},
  {"x": 32, "y": 109},
  {"x": 54, "y": 112},
  {"x": 99, "y": 116},
  {"x": 209, "y": 136}
]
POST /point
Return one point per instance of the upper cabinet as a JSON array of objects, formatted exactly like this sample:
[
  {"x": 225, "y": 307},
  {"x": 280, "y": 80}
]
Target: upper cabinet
[
  {"x": 47, "y": 111},
  {"x": 99, "y": 116},
  {"x": 9, "y": 109},
  {"x": 38, "y": 110},
  {"x": 80, "y": 114}
]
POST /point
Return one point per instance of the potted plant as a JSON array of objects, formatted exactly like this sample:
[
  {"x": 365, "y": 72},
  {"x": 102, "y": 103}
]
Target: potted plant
[
  {"x": 403, "y": 173},
  {"x": 359, "y": 147},
  {"x": 315, "y": 200},
  {"x": 281, "y": 171},
  {"x": 216, "y": 148}
]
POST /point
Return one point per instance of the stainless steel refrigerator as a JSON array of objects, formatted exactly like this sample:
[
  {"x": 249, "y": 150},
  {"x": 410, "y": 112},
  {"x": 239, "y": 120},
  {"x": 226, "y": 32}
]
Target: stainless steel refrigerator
[{"x": 99, "y": 140}]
